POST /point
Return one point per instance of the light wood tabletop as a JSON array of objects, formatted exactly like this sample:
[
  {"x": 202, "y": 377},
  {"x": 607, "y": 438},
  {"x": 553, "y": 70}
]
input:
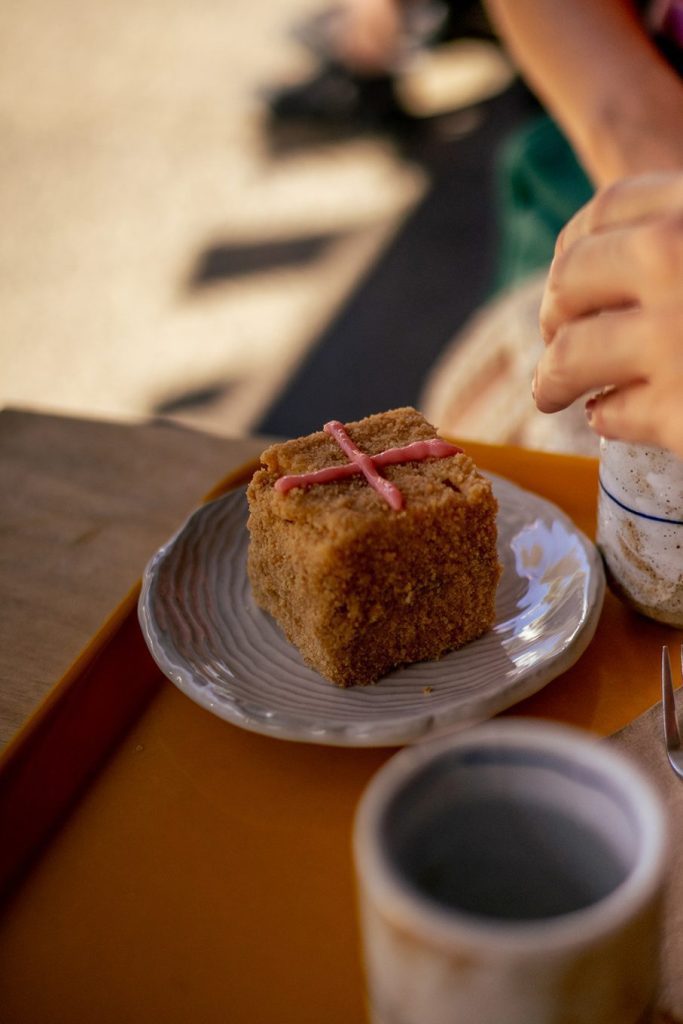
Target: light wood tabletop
[{"x": 83, "y": 505}]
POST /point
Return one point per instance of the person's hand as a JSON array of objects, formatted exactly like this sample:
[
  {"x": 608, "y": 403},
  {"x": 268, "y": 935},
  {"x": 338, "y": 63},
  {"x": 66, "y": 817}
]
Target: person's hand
[
  {"x": 612, "y": 313},
  {"x": 368, "y": 35}
]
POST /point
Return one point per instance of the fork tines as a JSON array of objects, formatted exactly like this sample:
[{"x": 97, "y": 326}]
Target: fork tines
[{"x": 671, "y": 730}]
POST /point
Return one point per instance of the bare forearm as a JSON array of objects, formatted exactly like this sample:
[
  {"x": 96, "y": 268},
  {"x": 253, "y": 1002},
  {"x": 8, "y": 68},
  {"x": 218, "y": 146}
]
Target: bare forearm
[{"x": 592, "y": 64}]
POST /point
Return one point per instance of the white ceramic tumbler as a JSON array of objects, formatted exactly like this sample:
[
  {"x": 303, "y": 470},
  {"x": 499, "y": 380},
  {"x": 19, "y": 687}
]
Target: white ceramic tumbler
[
  {"x": 640, "y": 527},
  {"x": 511, "y": 874}
]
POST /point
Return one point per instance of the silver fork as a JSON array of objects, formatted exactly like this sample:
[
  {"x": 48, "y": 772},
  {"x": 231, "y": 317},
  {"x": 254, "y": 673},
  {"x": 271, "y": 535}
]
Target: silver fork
[{"x": 671, "y": 730}]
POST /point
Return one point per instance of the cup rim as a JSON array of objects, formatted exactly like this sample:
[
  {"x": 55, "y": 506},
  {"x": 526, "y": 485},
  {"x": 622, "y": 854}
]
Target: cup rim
[{"x": 379, "y": 879}]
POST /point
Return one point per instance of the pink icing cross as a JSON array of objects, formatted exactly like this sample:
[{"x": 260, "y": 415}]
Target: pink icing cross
[{"x": 359, "y": 462}]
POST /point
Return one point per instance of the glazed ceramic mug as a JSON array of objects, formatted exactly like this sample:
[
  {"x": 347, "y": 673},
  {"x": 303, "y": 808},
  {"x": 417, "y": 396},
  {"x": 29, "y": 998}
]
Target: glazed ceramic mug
[
  {"x": 640, "y": 527},
  {"x": 511, "y": 874}
]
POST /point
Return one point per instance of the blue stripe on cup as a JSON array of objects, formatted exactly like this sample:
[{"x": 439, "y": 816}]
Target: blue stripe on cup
[{"x": 635, "y": 512}]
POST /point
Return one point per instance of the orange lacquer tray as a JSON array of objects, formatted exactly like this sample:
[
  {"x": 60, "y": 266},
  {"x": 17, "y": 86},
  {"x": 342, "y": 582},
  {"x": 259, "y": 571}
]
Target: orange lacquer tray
[{"x": 160, "y": 865}]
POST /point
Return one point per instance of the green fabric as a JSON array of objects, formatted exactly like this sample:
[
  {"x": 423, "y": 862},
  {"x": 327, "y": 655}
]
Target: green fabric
[{"x": 540, "y": 185}]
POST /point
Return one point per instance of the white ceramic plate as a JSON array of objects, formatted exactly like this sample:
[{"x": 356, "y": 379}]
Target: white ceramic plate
[{"x": 208, "y": 636}]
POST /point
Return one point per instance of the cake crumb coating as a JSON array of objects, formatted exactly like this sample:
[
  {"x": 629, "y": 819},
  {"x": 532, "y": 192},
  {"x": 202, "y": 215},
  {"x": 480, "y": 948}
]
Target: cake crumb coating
[{"x": 358, "y": 587}]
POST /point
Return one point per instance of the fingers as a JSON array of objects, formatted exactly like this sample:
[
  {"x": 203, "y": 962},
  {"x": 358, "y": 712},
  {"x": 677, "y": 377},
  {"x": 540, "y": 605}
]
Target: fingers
[
  {"x": 590, "y": 353},
  {"x": 638, "y": 356},
  {"x": 612, "y": 313},
  {"x": 640, "y": 414},
  {"x": 625, "y": 202},
  {"x": 638, "y": 264},
  {"x": 598, "y": 272}
]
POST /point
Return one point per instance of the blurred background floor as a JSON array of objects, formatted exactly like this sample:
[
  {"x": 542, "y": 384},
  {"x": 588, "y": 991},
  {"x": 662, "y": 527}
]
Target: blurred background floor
[{"x": 162, "y": 252}]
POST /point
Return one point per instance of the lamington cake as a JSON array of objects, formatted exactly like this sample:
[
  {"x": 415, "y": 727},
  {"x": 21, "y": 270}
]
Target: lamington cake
[{"x": 373, "y": 545}]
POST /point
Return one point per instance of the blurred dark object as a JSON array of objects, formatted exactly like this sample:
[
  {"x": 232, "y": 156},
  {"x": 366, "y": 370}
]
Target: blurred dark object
[
  {"x": 438, "y": 269},
  {"x": 336, "y": 94},
  {"x": 225, "y": 261}
]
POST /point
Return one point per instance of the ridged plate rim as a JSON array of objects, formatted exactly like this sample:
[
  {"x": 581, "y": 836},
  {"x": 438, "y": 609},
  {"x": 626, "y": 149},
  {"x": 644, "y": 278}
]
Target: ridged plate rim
[{"x": 208, "y": 637}]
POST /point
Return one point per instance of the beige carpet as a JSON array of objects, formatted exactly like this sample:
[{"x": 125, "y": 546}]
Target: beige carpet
[
  {"x": 131, "y": 148},
  {"x": 131, "y": 143}
]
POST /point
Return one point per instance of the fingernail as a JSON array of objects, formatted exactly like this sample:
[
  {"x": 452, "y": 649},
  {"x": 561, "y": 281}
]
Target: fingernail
[{"x": 534, "y": 383}]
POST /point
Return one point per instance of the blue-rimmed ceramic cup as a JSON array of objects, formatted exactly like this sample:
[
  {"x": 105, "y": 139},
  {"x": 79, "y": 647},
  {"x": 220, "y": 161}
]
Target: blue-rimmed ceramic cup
[
  {"x": 640, "y": 527},
  {"x": 510, "y": 874}
]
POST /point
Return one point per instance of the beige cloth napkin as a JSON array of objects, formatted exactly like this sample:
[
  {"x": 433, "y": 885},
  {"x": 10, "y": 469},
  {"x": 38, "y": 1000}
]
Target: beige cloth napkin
[{"x": 643, "y": 742}]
